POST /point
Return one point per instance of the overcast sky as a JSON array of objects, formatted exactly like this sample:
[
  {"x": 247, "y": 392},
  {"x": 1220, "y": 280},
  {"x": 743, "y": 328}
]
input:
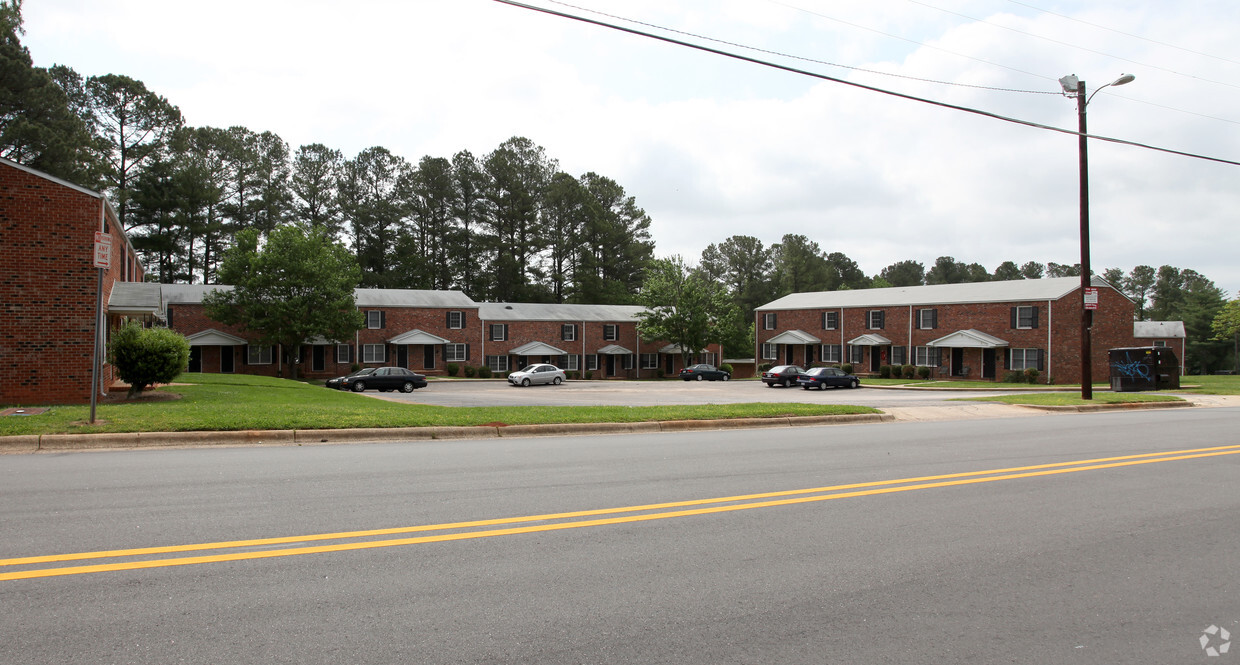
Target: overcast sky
[{"x": 713, "y": 147}]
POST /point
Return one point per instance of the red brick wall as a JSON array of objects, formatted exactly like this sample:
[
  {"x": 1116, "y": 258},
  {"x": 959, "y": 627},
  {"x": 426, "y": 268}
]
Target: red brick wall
[
  {"x": 1112, "y": 328},
  {"x": 48, "y": 288}
]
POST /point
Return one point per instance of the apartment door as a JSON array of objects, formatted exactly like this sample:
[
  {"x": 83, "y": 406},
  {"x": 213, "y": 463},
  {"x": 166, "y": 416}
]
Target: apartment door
[
  {"x": 428, "y": 356},
  {"x": 195, "y": 359},
  {"x": 402, "y": 355},
  {"x": 988, "y": 363},
  {"x": 318, "y": 360},
  {"x": 227, "y": 359}
]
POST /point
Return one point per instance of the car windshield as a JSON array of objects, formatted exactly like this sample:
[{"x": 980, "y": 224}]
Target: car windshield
[
  {"x": 529, "y": 368},
  {"x": 363, "y": 372},
  {"x": 781, "y": 369},
  {"x": 818, "y": 370}
]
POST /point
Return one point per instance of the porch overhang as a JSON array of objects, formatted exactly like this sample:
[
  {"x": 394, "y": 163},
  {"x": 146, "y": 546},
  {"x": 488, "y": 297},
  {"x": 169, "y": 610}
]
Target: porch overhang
[
  {"x": 969, "y": 339},
  {"x": 537, "y": 349},
  {"x": 136, "y": 299},
  {"x": 614, "y": 350},
  {"x": 213, "y": 337},
  {"x": 869, "y": 340},
  {"x": 675, "y": 349},
  {"x": 417, "y": 337},
  {"x": 794, "y": 337}
]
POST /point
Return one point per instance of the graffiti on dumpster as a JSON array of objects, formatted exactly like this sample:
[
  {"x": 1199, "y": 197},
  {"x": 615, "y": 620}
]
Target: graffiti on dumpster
[{"x": 1132, "y": 369}]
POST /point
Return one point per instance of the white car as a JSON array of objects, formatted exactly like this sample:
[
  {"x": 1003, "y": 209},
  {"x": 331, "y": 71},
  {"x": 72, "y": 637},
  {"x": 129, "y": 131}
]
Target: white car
[{"x": 535, "y": 374}]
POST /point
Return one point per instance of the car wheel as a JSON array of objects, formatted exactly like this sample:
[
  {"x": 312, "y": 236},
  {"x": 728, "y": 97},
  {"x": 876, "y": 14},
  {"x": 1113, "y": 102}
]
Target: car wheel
[
  {"x": 787, "y": 383},
  {"x": 726, "y": 377},
  {"x": 770, "y": 385},
  {"x": 525, "y": 383},
  {"x": 854, "y": 384},
  {"x": 359, "y": 387},
  {"x": 407, "y": 388},
  {"x": 699, "y": 377},
  {"x": 556, "y": 381}
]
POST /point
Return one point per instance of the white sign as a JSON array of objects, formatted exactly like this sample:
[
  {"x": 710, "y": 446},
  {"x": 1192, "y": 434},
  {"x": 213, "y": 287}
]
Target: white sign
[
  {"x": 103, "y": 250},
  {"x": 1091, "y": 298}
]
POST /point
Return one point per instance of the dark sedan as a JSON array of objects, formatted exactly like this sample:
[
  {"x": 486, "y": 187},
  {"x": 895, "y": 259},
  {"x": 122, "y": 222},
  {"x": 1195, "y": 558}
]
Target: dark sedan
[
  {"x": 339, "y": 381},
  {"x": 781, "y": 375},
  {"x": 385, "y": 379},
  {"x": 822, "y": 377},
  {"x": 704, "y": 372}
]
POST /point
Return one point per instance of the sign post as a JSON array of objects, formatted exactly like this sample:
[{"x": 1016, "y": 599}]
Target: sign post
[
  {"x": 1091, "y": 298},
  {"x": 102, "y": 261}
]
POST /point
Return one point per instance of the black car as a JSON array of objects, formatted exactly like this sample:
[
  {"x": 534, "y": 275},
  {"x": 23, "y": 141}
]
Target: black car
[
  {"x": 385, "y": 379},
  {"x": 704, "y": 372},
  {"x": 338, "y": 381},
  {"x": 822, "y": 377},
  {"x": 781, "y": 375}
]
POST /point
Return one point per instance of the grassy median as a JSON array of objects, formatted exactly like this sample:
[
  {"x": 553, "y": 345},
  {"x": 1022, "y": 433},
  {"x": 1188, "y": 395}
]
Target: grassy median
[{"x": 219, "y": 402}]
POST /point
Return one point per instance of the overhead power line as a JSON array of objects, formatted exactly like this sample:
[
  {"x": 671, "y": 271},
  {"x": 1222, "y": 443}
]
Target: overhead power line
[{"x": 824, "y": 77}]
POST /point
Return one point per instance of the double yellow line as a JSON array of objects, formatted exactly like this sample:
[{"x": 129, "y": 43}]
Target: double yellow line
[{"x": 155, "y": 557}]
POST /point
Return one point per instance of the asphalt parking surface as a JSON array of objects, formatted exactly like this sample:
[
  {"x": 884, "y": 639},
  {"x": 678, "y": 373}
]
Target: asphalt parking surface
[{"x": 448, "y": 392}]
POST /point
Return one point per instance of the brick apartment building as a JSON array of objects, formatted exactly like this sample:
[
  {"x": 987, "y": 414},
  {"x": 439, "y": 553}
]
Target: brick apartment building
[
  {"x": 49, "y": 285},
  {"x": 976, "y": 331}
]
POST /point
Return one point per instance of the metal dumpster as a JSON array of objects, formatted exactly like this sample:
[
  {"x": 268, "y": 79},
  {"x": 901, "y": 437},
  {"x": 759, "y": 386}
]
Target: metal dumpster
[{"x": 1144, "y": 368}]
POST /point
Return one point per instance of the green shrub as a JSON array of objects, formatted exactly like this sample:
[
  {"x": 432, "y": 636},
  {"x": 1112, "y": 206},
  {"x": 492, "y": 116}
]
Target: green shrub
[
  {"x": 923, "y": 372},
  {"x": 589, "y": 374},
  {"x": 1013, "y": 377},
  {"x": 908, "y": 371},
  {"x": 764, "y": 367},
  {"x": 660, "y": 373},
  {"x": 727, "y": 367},
  {"x": 470, "y": 371},
  {"x": 146, "y": 356},
  {"x": 452, "y": 369},
  {"x": 1031, "y": 375},
  {"x": 884, "y": 372},
  {"x": 484, "y": 372},
  {"x": 847, "y": 367}
]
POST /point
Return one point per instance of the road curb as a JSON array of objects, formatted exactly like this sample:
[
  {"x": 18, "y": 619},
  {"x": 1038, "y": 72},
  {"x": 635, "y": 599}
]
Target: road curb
[
  {"x": 113, "y": 441},
  {"x": 1084, "y": 408}
]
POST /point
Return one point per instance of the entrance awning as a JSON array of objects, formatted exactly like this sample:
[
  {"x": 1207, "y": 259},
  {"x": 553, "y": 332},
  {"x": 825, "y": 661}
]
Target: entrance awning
[
  {"x": 614, "y": 350},
  {"x": 794, "y": 337},
  {"x": 417, "y": 337},
  {"x": 136, "y": 299},
  {"x": 869, "y": 340},
  {"x": 213, "y": 337},
  {"x": 675, "y": 349},
  {"x": 969, "y": 339},
  {"x": 537, "y": 349}
]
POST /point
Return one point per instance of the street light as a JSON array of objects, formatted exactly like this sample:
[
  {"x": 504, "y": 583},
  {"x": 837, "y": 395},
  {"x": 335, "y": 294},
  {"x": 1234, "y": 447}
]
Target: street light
[{"x": 1074, "y": 87}]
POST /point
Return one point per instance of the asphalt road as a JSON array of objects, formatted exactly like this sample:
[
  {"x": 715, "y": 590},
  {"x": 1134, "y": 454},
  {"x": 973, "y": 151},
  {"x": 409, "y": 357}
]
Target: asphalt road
[{"x": 670, "y": 548}]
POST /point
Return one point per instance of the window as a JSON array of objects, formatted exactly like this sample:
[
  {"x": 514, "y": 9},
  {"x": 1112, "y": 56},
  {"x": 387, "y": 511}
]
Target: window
[
  {"x": 650, "y": 361},
  {"x": 1025, "y": 317},
  {"x": 497, "y": 363},
  {"x": 768, "y": 321},
  {"x": 830, "y": 320},
  {"x": 875, "y": 319},
  {"x": 627, "y": 361},
  {"x": 899, "y": 355},
  {"x": 455, "y": 353},
  {"x": 706, "y": 358},
  {"x": 374, "y": 353},
  {"x": 571, "y": 362},
  {"x": 769, "y": 352},
  {"x": 258, "y": 355},
  {"x": 1021, "y": 359},
  {"x": 499, "y": 332},
  {"x": 592, "y": 361},
  {"x": 856, "y": 354},
  {"x": 456, "y": 320},
  {"x": 344, "y": 353},
  {"x": 374, "y": 319},
  {"x": 927, "y": 356},
  {"x": 1159, "y": 343},
  {"x": 568, "y": 332},
  {"x": 831, "y": 353},
  {"x": 927, "y": 319},
  {"x": 611, "y": 332}
]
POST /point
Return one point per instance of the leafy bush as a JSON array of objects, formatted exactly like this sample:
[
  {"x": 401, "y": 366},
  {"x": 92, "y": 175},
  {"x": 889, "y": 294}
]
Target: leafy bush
[
  {"x": 765, "y": 367},
  {"x": 727, "y": 367},
  {"x": 660, "y": 373},
  {"x": 484, "y": 372},
  {"x": 452, "y": 369},
  {"x": 145, "y": 356},
  {"x": 847, "y": 367},
  {"x": 923, "y": 372},
  {"x": 1013, "y": 377},
  {"x": 884, "y": 372},
  {"x": 470, "y": 371},
  {"x": 589, "y": 374},
  {"x": 908, "y": 371},
  {"x": 1031, "y": 375}
]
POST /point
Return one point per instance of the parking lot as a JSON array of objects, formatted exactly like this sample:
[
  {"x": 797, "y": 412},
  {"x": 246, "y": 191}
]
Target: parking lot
[{"x": 449, "y": 392}]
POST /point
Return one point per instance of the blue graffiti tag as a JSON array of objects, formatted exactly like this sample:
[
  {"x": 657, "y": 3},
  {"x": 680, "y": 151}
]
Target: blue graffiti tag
[{"x": 1132, "y": 369}]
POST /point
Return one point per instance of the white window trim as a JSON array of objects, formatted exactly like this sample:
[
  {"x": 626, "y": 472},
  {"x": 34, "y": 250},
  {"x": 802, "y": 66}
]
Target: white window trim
[
  {"x": 770, "y": 351},
  {"x": 456, "y": 320},
  {"x": 497, "y": 363},
  {"x": 374, "y": 354},
  {"x": 768, "y": 321},
  {"x": 569, "y": 332},
  {"x": 347, "y": 355},
  {"x": 503, "y": 332},
  {"x": 258, "y": 354},
  {"x": 377, "y": 316},
  {"x": 1028, "y": 308},
  {"x": 454, "y": 353},
  {"x": 870, "y": 317},
  {"x": 1024, "y": 359},
  {"x": 650, "y": 360},
  {"x": 921, "y": 357},
  {"x": 570, "y": 362},
  {"x": 925, "y": 319},
  {"x": 831, "y": 353},
  {"x": 611, "y": 332},
  {"x": 592, "y": 362}
]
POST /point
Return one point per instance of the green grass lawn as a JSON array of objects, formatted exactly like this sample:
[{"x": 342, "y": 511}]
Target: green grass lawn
[
  {"x": 238, "y": 402},
  {"x": 1074, "y": 399}
]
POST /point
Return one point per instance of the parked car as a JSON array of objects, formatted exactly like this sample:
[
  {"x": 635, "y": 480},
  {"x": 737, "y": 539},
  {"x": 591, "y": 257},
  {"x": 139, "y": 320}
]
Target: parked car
[
  {"x": 781, "y": 375},
  {"x": 385, "y": 379},
  {"x": 704, "y": 372},
  {"x": 338, "y": 382},
  {"x": 822, "y": 377},
  {"x": 536, "y": 374}
]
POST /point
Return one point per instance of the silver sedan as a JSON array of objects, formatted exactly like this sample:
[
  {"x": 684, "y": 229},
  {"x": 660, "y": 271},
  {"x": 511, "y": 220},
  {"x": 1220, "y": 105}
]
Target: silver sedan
[{"x": 535, "y": 374}]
